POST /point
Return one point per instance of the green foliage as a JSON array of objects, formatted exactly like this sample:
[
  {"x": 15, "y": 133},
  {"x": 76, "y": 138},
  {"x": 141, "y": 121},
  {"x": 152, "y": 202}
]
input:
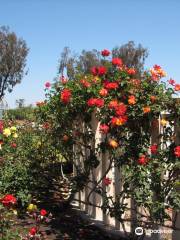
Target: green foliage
[{"x": 23, "y": 113}]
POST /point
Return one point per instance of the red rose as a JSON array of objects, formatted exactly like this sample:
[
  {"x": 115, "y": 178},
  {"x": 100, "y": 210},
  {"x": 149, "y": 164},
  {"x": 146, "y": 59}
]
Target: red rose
[
  {"x": 121, "y": 109},
  {"x": 99, "y": 102},
  {"x": 142, "y": 160},
  {"x": 63, "y": 80},
  {"x": 157, "y": 67},
  {"x": 102, "y": 70},
  {"x": 104, "y": 128},
  {"x": 43, "y": 212},
  {"x": 131, "y": 71},
  {"x": 91, "y": 102},
  {"x": 47, "y": 84},
  {"x": 65, "y": 96},
  {"x": 111, "y": 85},
  {"x": 105, "y": 53},
  {"x": 98, "y": 71},
  {"x": 94, "y": 71},
  {"x": 46, "y": 125},
  {"x": 8, "y": 200},
  {"x": 117, "y": 61},
  {"x": 33, "y": 231},
  {"x": 154, "y": 148},
  {"x": 171, "y": 81},
  {"x": 177, "y": 151},
  {"x": 113, "y": 104},
  {"x": 107, "y": 181}
]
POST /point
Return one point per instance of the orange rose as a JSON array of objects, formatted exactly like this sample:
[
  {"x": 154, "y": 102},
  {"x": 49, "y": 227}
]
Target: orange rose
[
  {"x": 113, "y": 143},
  {"x": 146, "y": 109},
  {"x": 177, "y": 87},
  {"x": 103, "y": 92},
  {"x": 65, "y": 138},
  {"x": 132, "y": 100},
  {"x": 153, "y": 98}
]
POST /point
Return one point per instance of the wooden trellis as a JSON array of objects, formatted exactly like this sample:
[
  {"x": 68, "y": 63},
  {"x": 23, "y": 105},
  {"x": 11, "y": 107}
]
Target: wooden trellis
[{"x": 116, "y": 186}]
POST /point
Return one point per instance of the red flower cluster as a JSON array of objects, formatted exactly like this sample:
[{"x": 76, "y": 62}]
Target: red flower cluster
[
  {"x": 98, "y": 71},
  {"x": 95, "y": 102},
  {"x": 154, "y": 148},
  {"x": 8, "y": 200},
  {"x": 111, "y": 85},
  {"x": 117, "y": 61},
  {"x": 105, "y": 53},
  {"x": 177, "y": 151},
  {"x": 104, "y": 128},
  {"x": 107, "y": 181},
  {"x": 143, "y": 160},
  {"x": 65, "y": 96}
]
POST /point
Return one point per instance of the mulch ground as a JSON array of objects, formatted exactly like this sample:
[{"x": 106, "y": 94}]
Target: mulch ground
[{"x": 67, "y": 225}]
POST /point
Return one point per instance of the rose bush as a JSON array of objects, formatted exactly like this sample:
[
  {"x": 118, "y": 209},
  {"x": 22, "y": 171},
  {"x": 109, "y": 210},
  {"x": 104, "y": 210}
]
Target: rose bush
[{"x": 128, "y": 107}]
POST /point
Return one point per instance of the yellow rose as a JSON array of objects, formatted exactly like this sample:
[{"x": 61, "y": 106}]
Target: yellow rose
[
  {"x": 32, "y": 207},
  {"x": 15, "y": 135},
  {"x": 13, "y": 129},
  {"x": 7, "y": 132}
]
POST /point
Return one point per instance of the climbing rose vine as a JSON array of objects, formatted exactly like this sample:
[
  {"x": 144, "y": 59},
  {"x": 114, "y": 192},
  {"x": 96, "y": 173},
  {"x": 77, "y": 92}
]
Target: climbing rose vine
[{"x": 124, "y": 108}]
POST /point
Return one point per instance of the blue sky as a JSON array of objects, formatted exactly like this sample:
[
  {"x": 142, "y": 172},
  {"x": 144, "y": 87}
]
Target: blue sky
[{"x": 49, "y": 25}]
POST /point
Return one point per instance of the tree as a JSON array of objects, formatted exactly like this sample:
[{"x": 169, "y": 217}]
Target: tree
[
  {"x": 20, "y": 102},
  {"x": 13, "y": 53},
  {"x": 71, "y": 63},
  {"x": 132, "y": 55}
]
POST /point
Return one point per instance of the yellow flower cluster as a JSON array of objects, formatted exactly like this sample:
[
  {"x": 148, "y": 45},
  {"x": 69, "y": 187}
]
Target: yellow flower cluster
[
  {"x": 10, "y": 131},
  {"x": 32, "y": 207}
]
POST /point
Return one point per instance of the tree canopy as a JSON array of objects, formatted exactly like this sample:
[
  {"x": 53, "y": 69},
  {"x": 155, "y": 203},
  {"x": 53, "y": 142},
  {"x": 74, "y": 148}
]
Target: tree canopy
[{"x": 13, "y": 53}]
